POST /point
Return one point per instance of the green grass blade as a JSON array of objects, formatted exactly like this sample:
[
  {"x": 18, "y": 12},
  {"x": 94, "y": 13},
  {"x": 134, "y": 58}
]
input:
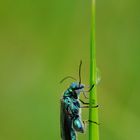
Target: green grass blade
[{"x": 93, "y": 112}]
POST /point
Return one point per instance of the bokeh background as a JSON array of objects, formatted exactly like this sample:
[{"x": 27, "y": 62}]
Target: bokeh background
[{"x": 43, "y": 41}]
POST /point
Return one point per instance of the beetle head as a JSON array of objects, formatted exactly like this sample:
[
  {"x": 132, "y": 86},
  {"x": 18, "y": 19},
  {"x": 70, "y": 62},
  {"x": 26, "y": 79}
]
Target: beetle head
[{"x": 76, "y": 88}]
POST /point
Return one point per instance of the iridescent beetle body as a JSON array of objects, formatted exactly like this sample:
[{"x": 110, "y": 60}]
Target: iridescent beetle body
[
  {"x": 70, "y": 112},
  {"x": 70, "y": 117}
]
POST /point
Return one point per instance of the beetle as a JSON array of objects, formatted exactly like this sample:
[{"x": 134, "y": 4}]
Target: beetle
[{"x": 70, "y": 114}]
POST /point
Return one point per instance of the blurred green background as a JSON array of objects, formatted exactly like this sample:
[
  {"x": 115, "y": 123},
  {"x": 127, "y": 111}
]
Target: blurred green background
[{"x": 43, "y": 41}]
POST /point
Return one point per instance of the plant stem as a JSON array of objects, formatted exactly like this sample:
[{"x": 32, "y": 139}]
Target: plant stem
[{"x": 93, "y": 112}]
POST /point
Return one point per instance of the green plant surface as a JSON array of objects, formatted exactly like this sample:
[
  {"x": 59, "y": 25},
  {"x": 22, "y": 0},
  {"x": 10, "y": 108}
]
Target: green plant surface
[{"x": 93, "y": 112}]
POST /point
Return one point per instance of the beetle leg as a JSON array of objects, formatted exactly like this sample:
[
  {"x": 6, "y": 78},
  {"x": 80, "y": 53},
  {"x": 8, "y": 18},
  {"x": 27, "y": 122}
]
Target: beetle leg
[
  {"x": 83, "y": 102},
  {"x": 78, "y": 125},
  {"x": 89, "y": 121},
  {"x": 93, "y": 122},
  {"x": 89, "y": 106},
  {"x": 93, "y": 101}
]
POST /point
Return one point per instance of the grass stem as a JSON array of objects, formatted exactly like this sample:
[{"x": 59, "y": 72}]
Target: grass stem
[{"x": 93, "y": 112}]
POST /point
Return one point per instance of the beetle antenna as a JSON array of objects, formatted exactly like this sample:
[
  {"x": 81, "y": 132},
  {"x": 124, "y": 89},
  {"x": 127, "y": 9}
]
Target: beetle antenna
[
  {"x": 80, "y": 72},
  {"x": 67, "y": 77}
]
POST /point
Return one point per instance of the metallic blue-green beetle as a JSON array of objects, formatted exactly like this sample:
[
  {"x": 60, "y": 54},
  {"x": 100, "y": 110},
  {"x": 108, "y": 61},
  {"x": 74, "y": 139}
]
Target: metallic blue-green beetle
[
  {"x": 70, "y": 117},
  {"x": 70, "y": 112}
]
